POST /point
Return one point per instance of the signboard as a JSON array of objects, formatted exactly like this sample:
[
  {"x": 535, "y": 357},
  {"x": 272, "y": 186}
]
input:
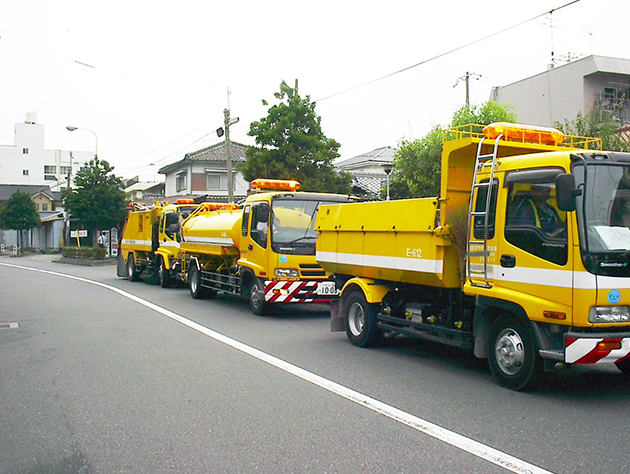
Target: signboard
[{"x": 78, "y": 233}]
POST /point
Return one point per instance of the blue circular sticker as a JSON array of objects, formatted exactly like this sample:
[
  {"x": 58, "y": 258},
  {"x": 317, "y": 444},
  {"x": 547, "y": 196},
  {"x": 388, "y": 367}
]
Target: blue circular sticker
[
  {"x": 614, "y": 296},
  {"x": 283, "y": 259}
]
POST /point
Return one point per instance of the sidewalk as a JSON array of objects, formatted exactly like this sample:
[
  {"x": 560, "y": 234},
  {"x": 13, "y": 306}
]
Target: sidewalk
[{"x": 58, "y": 258}]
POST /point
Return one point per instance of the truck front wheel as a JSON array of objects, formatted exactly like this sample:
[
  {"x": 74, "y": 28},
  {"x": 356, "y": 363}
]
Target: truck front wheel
[
  {"x": 164, "y": 273},
  {"x": 361, "y": 321},
  {"x": 257, "y": 301},
  {"x": 624, "y": 366},
  {"x": 513, "y": 353}
]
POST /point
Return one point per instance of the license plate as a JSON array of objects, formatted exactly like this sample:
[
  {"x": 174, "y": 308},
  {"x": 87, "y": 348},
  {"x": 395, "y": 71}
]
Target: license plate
[{"x": 327, "y": 288}]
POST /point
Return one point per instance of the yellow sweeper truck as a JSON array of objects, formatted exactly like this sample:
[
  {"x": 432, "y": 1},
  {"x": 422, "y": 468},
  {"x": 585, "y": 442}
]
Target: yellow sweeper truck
[
  {"x": 150, "y": 238},
  {"x": 523, "y": 259}
]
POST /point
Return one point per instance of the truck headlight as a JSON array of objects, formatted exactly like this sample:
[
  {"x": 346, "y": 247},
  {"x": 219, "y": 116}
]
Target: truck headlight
[
  {"x": 286, "y": 273},
  {"x": 609, "y": 314}
]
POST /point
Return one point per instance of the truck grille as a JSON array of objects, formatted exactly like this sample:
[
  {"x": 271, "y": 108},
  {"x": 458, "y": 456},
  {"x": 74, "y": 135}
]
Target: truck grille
[{"x": 312, "y": 270}]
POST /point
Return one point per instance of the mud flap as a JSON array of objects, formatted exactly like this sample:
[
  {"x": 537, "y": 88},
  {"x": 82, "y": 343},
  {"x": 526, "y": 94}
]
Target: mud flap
[
  {"x": 336, "y": 319},
  {"x": 121, "y": 268}
]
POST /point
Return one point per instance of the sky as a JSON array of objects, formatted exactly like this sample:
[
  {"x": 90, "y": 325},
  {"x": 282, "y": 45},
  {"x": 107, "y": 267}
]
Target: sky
[{"x": 148, "y": 81}]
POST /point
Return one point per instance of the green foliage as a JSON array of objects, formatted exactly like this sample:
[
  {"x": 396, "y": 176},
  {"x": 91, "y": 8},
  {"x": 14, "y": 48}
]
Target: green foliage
[
  {"x": 97, "y": 201},
  {"x": 19, "y": 213},
  {"x": 417, "y": 162},
  {"x": 598, "y": 123},
  {"x": 484, "y": 114},
  {"x": 417, "y": 165},
  {"x": 84, "y": 253},
  {"x": 291, "y": 145}
]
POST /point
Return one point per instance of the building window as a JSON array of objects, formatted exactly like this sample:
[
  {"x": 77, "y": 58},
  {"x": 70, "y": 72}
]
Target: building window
[
  {"x": 65, "y": 170},
  {"x": 44, "y": 207},
  {"x": 24, "y": 172},
  {"x": 214, "y": 182},
  {"x": 25, "y": 151},
  {"x": 180, "y": 182},
  {"x": 49, "y": 173}
]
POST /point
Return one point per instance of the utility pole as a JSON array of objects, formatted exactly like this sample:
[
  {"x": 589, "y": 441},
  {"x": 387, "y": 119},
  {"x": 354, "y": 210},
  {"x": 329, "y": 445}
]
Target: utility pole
[
  {"x": 227, "y": 121},
  {"x": 466, "y": 78}
]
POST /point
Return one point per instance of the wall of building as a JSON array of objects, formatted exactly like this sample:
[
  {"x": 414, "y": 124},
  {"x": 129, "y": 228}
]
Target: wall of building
[
  {"x": 563, "y": 92},
  {"x": 24, "y": 161}
]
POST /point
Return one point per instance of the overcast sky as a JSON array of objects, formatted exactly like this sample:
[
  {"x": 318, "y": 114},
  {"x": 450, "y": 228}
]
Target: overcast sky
[{"x": 151, "y": 80}]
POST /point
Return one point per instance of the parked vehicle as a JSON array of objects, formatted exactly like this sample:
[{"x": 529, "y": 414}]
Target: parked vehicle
[
  {"x": 523, "y": 259},
  {"x": 263, "y": 251},
  {"x": 150, "y": 237}
]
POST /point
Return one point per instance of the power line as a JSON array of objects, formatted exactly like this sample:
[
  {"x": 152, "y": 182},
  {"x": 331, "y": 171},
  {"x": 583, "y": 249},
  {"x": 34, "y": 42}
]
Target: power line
[{"x": 441, "y": 55}]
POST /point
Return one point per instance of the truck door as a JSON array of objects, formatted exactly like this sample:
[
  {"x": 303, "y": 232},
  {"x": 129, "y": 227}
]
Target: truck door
[
  {"x": 535, "y": 256},
  {"x": 255, "y": 253}
]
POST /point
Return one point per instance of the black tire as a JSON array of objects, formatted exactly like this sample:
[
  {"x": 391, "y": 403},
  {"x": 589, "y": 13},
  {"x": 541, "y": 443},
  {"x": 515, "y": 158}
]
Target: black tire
[
  {"x": 257, "y": 301},
  {"x": 361, "y": 323},
  {"x": 164, "y": 274},
  {"x": 132, "y": 271},
  {"x": 624, "y": 366},
  {"x": 194, "y": 280},
  {"x": 513, "y": 353}
]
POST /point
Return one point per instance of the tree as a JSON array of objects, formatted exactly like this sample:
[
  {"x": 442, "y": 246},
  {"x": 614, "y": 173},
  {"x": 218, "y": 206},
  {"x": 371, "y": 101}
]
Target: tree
[
  {"x": 291, "y": 145},
  {"x": 97, "y": 201},
  {"x": 19, "y": 213},
  {"x": 417, "y": 162},
  {"x": 598, "y": 123}
]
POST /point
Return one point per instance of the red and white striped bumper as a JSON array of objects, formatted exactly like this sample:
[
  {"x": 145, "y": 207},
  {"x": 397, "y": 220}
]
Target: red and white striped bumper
[
  {"x": 596, "y": 350},
  {"x": 293, "y": 292}
]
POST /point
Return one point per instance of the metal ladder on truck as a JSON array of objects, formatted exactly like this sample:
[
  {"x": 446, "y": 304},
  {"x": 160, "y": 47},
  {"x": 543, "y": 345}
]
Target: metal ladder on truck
[{"x": 481, "y": 161}]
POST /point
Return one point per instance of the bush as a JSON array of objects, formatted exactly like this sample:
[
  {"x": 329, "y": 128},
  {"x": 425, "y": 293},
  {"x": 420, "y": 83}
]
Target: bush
[{"x": 85, "y": 253}]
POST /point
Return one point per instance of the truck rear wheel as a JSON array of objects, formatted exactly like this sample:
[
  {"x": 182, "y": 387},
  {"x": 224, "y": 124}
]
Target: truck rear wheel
[
  {"x": 132, "y": 271},
  {"x": 361, "y": 321},
  {"x": 164, "y": 273},
  {"x": 513, "y": 353},
  {"x": 257, "y": 301},
  {"x": 194, "y": 279}
]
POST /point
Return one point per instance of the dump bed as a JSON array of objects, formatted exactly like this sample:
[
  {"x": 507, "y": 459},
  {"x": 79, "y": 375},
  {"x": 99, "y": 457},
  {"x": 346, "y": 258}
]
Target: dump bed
[{"x": 387, "y": 240}]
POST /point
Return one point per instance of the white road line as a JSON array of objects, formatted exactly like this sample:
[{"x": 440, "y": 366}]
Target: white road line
[{"x": 468, "y": 445}]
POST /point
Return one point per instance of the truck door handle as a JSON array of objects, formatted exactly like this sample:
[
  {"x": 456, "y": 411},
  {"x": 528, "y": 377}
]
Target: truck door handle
[
  {"x": 250, "y": 247},
  {"x": 508, "y": 261}
]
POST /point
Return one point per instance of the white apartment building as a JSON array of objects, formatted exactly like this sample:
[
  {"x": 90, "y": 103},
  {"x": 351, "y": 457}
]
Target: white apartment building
[{"x": 27, "y": 162}]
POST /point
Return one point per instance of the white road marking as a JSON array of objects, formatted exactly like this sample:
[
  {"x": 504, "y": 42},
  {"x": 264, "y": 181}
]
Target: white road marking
[{"x": 463, "y": 443}]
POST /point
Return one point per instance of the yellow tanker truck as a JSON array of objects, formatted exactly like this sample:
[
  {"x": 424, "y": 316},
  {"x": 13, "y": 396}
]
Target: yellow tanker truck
[
  {"x": 263, "y": 251},
  {"x": 523, "y": 259}
]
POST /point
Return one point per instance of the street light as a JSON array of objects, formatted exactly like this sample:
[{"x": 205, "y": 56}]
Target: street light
[
  {"x": 388, "y": 167},
  {"x": 70, "y": 128}
]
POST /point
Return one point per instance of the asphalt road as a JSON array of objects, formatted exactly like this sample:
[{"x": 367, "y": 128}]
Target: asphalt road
[{"x": 145, "y": 379}]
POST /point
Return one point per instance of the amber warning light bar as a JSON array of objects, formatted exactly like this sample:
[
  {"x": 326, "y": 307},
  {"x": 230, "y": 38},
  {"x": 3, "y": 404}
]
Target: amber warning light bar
[
  {"x": 275, "y": 184},
  {"x": 524, "y": 133}
]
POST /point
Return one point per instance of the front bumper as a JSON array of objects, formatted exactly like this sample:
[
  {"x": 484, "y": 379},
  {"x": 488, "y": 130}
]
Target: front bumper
[
  {"x": 299, "y": 291},
  {"x": 583, "y": 348}
]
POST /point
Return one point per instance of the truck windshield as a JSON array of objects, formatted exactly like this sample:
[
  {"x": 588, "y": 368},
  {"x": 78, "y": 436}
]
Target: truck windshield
[
  {"x": 603, "y": 212},
  {"x": 293, "y": 221}
]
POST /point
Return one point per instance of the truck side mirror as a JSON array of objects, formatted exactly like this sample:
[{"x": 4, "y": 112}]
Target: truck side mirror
[{"x": 566, "y": 192}]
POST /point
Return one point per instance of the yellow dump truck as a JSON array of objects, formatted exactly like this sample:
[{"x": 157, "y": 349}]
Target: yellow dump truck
[
  {"x": 263, "y": 251},
  {"x": 523, "y": 259},
  {"x": 150, "y": 238}
]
